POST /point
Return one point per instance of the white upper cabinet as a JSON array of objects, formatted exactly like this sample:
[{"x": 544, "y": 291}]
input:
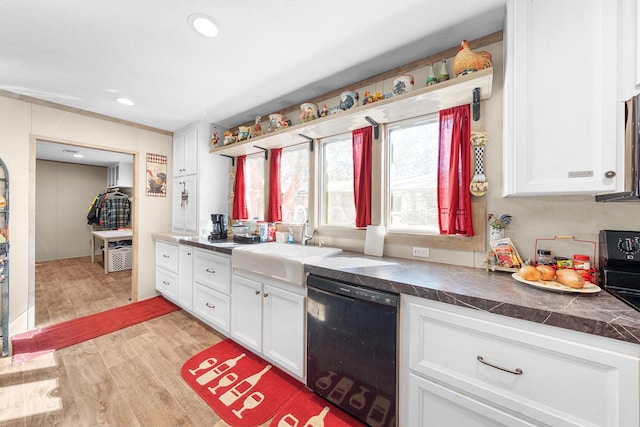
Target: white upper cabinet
[
  {"x": 563, "y": 110},
  {"x": 120, "y": 175},
  {"x": 185, "y": 152}
]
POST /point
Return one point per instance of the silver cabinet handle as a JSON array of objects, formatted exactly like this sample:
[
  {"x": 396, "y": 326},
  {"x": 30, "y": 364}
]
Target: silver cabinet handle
[
  {"x": 209, "y": 305},
  {"x": 266, "y": 295},
  {"x": 165, "y": 256},
  {"x": 516, "y": 371},
  {"x": 164, "y": 282},
  {"x": 210, "y": 270},
  {"x": 257, "y": 292}
]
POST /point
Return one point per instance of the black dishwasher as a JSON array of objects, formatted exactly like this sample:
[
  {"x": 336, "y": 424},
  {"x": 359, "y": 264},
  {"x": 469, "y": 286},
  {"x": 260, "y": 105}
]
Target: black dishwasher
[{"x": 352, "y": 349}]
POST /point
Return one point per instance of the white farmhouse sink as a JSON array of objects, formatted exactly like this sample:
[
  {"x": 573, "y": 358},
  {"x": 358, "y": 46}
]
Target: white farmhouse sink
[{"x": 280, "y": 261}]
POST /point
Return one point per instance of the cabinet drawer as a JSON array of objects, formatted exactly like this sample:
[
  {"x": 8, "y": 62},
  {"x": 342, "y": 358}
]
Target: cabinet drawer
[
  {"x": 212, "y": 270},
  {"x": 167, "y": 256},
  {"x": 431, "y": 404},
  {"x": 546, "y": 378},
  {"x": 212, "y": 307},
  {"x": 167, "y": 283}
]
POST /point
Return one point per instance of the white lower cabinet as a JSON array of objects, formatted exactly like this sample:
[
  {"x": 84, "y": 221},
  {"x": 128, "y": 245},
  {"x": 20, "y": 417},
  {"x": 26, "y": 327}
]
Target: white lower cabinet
[
  {"x": 467, "y": 367},
  {"x": 269, "y": 317},
  {"x": 167, "y": 284},
  {"x": 212, "y": 307},
  {"x": 211, "y": 288},
  {"x": 167, "y": 270}
]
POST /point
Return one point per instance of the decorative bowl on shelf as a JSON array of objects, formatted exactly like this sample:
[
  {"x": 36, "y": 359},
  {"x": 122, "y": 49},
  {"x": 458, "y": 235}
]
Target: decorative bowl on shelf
[
  {"x": 348, "y": 99},
  {"x": 308, "y": 112},
  {"x": 402, "y": 84}
]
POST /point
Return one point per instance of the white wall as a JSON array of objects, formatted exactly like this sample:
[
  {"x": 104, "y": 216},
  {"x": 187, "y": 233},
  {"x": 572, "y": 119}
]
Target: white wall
[
  {"x": 64, "y": 192},
  {"x": 20, "y": 123}
]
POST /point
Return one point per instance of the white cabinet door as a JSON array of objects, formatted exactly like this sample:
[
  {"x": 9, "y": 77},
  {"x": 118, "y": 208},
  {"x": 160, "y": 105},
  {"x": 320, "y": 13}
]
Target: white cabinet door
[
  {"x": 185, "y": 152},
  {"x": 190, "y": 164},
  {"x": 283, "y": 326},
  {"x": 246, "y": 312},
  {"x": 562, "y": 112},
  {"x": 185, "y": 204},
  {"x": 185, "y": 277}
]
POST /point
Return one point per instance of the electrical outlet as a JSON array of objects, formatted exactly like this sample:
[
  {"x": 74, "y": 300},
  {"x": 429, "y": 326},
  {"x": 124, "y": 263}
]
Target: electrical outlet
[{"x": 421, "y": 252}]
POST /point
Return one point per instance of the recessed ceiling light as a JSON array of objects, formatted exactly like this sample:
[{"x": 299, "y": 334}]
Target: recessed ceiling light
[
  {"x": 203, "y": 24},
  {"x": 124, "y": 101}
]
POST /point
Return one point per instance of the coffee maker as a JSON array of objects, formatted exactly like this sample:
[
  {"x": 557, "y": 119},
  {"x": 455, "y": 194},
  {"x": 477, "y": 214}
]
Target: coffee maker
[{"x": 218, "y": 227}]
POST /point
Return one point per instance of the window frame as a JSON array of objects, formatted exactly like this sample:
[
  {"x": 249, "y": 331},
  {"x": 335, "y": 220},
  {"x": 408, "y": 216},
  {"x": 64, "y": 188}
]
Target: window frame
[{"x": 386, "y": 166}]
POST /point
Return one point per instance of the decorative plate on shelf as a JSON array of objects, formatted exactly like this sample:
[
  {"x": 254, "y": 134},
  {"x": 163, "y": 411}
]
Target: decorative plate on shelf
[{"x": 552, "y": 285}]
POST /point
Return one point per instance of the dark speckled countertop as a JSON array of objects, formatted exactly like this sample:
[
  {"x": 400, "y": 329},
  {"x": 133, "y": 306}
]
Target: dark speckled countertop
[{"x": 496, "y": 292}]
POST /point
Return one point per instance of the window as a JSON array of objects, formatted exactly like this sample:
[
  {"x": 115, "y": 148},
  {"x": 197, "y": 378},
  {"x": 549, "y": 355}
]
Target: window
[
  {"x": 294, "y": 183},
  {"x": 254, "y": 185},
  {"x": 337, "y": 204},
  {"x": 412, "y": 170}
]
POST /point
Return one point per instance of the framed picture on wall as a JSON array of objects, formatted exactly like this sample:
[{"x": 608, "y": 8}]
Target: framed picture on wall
[{"x": 156, "y": 175}]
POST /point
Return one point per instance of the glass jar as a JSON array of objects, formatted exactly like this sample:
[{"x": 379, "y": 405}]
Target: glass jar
[
  {"x": 544, "y": 257},
  {"x": 582, "y": 264}
]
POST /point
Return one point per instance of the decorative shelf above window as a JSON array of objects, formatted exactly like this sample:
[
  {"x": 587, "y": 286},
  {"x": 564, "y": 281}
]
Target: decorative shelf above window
[{"x": 427, "y": 100}]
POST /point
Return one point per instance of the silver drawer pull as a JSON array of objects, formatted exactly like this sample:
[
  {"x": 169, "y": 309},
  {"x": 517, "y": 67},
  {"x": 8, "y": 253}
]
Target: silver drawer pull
[
  {"x": 164, "y": 282},
  {"x": 210, "y": 270},
  {"x": 516, "y": 371},
  {"x": 165, "y": 256},
  {"x": 209, "y": 305}
]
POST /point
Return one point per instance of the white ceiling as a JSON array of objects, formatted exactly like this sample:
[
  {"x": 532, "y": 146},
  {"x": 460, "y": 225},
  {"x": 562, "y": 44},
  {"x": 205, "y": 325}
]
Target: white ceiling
[{"x": 269, "y": 55}]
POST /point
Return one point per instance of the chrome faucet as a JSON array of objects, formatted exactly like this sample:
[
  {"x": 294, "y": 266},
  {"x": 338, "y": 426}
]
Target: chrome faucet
[{"x": 305, "y": 237}]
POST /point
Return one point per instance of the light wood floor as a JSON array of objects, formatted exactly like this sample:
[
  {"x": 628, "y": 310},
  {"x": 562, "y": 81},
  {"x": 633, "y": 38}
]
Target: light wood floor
[{"x": 127, "y": 378}]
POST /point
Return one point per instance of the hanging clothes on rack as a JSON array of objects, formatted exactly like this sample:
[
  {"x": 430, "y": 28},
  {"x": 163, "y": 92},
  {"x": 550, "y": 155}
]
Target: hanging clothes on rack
[
  {"x": 112, "y": 210},
  {"x": 115, "y": 211}
]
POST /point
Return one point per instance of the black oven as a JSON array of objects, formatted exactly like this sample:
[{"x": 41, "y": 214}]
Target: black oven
[
  {"x": 619, "y": 263},
  {"x": 352, "y": 349}
]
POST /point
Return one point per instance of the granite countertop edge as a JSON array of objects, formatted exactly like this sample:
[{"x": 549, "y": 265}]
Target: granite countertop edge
[{"x": 598, "y": 314}]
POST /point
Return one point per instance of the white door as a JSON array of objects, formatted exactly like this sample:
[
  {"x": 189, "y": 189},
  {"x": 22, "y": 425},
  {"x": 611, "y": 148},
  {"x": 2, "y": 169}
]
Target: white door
[
  {"x": 246, "y": 312},
  {"x": 284, "y": 326}
]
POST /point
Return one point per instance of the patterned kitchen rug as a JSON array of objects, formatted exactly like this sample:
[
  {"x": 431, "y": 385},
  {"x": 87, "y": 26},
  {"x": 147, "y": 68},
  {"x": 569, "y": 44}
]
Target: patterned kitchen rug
[
  {"x": 243, "y": 389},
  {"x": 34, "y": 343},
  {"x": 309, "y": 409}
]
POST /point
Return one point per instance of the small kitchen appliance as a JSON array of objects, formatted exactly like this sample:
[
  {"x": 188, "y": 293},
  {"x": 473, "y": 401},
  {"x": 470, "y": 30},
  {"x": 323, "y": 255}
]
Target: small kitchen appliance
[
  {"x": 619, "y": 263},
  {"x": 218, "y": 227}
]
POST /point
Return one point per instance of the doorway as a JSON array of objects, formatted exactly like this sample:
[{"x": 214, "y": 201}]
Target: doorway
[{"x": 66, "y": 282}]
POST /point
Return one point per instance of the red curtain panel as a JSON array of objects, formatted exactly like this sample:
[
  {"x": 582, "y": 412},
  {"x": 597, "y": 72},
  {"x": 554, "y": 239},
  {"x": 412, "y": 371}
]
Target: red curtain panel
[
  {"x": 362, "y": 144},
  {"x": 454, "y": 172},
  {"x": 240, "y": 210},
  {"x": 274, "y": 211}
]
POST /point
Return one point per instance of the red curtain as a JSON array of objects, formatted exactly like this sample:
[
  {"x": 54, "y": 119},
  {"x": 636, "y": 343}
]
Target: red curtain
[
  {"x": 454, "y": 172},
  {"x": 274, "y": 212},
  {"x": 240, "y": 210},
  {"x": 362, "y": 143}
]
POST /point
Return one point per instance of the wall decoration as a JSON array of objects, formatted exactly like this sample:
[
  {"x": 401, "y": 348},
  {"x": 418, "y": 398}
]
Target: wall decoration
[{"x": 156, "y": 178}]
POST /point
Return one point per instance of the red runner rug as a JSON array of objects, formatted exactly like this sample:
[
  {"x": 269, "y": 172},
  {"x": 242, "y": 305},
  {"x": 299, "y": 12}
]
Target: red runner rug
[
  {"x": 243, "y": 389},
  {"x": 309, "y": 409},
  {"x": 40, "y": 341}
]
